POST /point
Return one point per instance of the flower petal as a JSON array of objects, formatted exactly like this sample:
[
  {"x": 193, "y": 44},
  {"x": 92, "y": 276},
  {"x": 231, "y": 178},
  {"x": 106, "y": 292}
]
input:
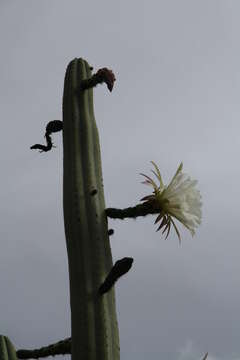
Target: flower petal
[
  {"x": 176, "y": 229},
  {"x": 159, "y": 218},
  {"x": 150, "y": 181},
  {"x": 158, "y": 175},
  {"x": 148, "y": 197},
  {"x": 164, "y": 221}
]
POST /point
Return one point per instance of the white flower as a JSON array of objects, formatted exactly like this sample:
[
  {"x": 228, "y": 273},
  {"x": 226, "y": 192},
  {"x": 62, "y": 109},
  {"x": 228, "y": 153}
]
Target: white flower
[{"x": 180, "y": 199}]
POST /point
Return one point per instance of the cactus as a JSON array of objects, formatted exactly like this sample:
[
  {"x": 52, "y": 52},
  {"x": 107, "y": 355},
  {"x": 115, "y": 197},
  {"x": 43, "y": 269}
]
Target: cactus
[
  {"x": 93, "y": 317},
  {"x": 7, "y": 349},
  {"x": 91, "y": 273}
]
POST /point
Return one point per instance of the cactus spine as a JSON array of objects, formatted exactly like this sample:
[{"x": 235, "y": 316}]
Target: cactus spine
[{"x": 93, "y": 317}]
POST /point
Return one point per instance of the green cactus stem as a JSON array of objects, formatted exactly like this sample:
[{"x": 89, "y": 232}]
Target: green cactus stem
[
  {"x": 93, "y": 317},
  {"x": 7, "y": 349}
]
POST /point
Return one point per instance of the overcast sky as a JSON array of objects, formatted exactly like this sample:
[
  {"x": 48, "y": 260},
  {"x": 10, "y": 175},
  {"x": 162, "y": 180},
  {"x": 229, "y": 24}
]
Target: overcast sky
[{"x": 176, "y": 98}]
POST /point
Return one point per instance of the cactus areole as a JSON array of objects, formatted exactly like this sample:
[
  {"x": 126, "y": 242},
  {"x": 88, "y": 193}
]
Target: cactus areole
[{"x": 93, "y": 317}]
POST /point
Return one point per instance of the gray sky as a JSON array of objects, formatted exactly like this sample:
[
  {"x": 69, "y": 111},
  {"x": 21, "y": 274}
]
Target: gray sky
[{"x": 176, "y": 99}]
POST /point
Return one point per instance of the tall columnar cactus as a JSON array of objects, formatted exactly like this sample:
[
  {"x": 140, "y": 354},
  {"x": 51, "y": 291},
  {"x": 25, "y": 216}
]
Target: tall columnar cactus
[{"x": 93, "y": 317}]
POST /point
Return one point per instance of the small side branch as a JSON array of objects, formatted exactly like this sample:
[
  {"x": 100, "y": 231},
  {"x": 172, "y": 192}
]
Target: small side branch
[{"x": 60, "y": 348}]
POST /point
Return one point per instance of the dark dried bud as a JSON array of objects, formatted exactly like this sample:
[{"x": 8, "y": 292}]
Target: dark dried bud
[{"x": 120, "y": 268}]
